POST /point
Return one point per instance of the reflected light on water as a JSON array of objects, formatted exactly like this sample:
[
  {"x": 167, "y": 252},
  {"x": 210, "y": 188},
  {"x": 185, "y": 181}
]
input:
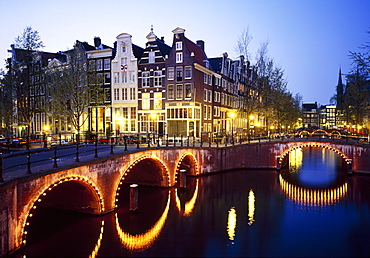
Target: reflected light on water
[
  {"x": 98, "y": 243},
  {"x": 295, "y": 160},
  {"x": 313, "y": 197},
  {"x": 231, "y": 223},
  {"x": 189, "y": 206},
  {"x": 251, "y": 207},
  {"x": 141, "y": 242}
]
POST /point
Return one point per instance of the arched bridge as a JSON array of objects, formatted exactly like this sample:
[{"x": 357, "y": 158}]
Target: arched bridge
[{"x": 93, "y": 186}]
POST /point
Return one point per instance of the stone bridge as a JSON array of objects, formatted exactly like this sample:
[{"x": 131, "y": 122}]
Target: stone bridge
[{"x": 93, "y": 187}]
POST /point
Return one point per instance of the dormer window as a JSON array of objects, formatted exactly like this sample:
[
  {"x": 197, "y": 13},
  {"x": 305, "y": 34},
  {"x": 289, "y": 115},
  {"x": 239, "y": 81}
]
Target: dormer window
[{"x": 179, "y": 45}]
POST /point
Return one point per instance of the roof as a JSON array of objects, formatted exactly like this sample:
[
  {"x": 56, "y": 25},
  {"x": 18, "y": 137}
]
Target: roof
[
  {"x": 138, "y": 51},
  {"x": 216, "y": 63},
  {"x": 164, "y": 48},
  {"x": 199, "y": 55}
]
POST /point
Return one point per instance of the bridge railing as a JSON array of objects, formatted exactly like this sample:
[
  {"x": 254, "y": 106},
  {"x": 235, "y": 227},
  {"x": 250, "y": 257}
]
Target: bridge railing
[{"x": 20, "y": 163}]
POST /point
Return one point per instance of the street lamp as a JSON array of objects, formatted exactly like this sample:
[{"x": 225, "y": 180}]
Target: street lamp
[
  {"x": 232, "y": 116},
  {"x": 46, "y": 129}
]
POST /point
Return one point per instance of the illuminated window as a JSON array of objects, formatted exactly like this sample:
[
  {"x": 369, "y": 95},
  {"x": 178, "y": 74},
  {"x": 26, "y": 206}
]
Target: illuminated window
[
  {"x": 157, "y": 100},
  {"x": 188, "y": 90},
  {"x": 145, "y": 101}
]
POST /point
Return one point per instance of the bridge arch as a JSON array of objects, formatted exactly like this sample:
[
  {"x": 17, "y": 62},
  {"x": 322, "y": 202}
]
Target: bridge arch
[
  {"x": 320, "y": 130},
  {"x": 94, "y": 203},
  {"x": 188, "y": 162},
  {"x": 160, "y": 177},
  {"x": 314, "y": 144}
]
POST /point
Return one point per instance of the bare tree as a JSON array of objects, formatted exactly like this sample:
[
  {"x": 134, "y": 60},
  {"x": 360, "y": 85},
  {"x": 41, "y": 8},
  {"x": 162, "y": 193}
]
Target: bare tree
[
  {"x": 74, "y": 87},
  {"x": 29, "y": 40}
]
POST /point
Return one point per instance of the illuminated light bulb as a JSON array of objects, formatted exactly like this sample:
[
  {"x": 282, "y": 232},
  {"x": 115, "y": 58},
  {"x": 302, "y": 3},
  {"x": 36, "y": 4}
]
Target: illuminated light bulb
[
  {"x": 25, "y": 232},
  {"x": 30, "y": 215},
  {"x": 49, "y": 188},
  {"x": 24, "y": 241},
  {"x": 34, "y": 207},
  {"x": 39, "y": 200},
  {"x": 27, "y": 223}
]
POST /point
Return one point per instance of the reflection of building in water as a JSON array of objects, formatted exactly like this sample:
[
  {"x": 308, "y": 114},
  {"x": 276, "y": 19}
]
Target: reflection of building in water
[
  {"x": 251, "y": 207},
  {"x": 141, "y": 242},
  {"x": 313, "y": 197},
  {"x": 189, "y": 205},
  {"x": 231, "y": 223},
  {"x": 295, "y": 160},
  {"x": 98, "y": 243}
]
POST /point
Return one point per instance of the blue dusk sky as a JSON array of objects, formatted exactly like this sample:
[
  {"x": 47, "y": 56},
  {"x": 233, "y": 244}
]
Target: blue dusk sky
[{"x": 309, "y": 39}]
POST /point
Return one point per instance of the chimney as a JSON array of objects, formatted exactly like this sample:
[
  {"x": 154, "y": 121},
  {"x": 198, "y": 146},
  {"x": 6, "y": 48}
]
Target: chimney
[
  {"x": 97, "y": 42},
  {"x": 201, "y": 44},
  {"x": 162, "y": 39}
]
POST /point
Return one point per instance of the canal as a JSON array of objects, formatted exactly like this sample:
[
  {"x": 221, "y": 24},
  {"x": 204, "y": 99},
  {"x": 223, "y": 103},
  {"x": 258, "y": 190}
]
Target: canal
[{"x": 310, "y": 208}]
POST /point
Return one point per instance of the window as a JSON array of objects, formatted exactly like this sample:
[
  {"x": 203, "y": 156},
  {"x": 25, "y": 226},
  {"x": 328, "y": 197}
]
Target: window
[
  {"x": 123, "y": 63},
  {"x": 124, "y": 77},
  {"x": 205, "y": 95},
  {"x": 106, "y": 64},
  {"x": 179, "y": 91},
  {"x": 145, "y": 102},
  {"x": 132, "y": 77},
  {"x": 132, "y": 93},
  {"x": 107, "y": 78},
  {"x": 157, "y": 100},
  {"x": 124, "y": 113},
  {"x": 209, "y": 95},
  {"x": 205, "y": 111},
  {"x": 116, "y": 77},
  {"x": 179, "y": 45},
  {"x": 124, "y": 94},
  {"x": 188, "y": 72},
  {"x": 209, "y": 80},
  {"x": 99, "y": 64},
  {"x": 205, "y": 78},
  {"x": 170, "y": 91},
  {"x": 123, "y": 48},
  {"x": 145, "y": 79},
  {"x": 116, "y": 94},
  {"x": 179, "y": 74},
  {"x": 151, "y": 57},
  {"x": 171, "y": 73},
  {"x": 188, "y": 91},
  {"x": 179, "y": 57},
  {"x": 157, "y": 78},
  {"x": 133, "y": 112}
]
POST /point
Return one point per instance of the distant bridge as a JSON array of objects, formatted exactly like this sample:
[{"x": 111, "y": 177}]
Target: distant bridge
[{"x": 93, "y": 186}]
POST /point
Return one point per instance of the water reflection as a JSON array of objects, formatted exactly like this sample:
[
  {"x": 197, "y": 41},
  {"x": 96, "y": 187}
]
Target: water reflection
[
  {"x": 141, "y": 242},
  {"x": 231, "y": 223},
  {"x": 313, "y": 197},
  {"x": 251, "y": 207},
  {"x": 189, "y": 205},
  {"x": 214, "y": 215}
]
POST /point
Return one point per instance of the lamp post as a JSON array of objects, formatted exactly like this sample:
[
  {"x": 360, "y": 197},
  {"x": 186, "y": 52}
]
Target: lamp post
[
  {"x": 153, "y": 118},
  {"x": 232, "y": 116},
  {"x": 46, "y": 129}
]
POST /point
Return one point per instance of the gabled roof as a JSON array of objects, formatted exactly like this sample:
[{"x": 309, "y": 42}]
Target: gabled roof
[
  {"x": 164, "y": 48},
  {"x": 199, "y": 55},
  {"x": 216, "y": 63},
  {"x": 138, "y": 51}
]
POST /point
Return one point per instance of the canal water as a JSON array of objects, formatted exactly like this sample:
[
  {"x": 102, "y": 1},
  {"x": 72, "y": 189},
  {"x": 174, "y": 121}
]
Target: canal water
[{"x": 313, "y": 208}]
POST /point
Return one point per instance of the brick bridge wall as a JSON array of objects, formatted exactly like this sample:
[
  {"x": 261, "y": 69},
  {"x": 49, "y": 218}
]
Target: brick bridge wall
[{"x": 96, "y": 182}]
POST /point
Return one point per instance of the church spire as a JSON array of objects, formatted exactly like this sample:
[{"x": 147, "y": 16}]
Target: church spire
[{"x": 340, "y": 91}]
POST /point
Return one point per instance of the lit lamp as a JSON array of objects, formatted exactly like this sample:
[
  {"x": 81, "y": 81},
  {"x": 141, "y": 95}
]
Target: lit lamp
[
  {"x": 232, "y": 116},
  {"x": 46, "y": 129},
  {"x": 153, "y": 117}
]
